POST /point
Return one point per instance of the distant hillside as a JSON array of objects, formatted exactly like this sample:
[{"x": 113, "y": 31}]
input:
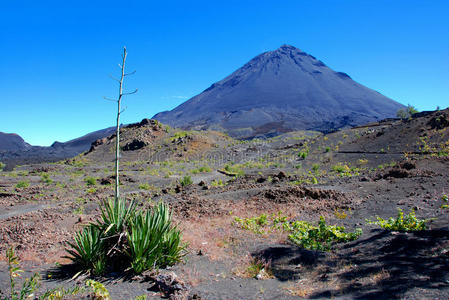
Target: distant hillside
[
  {"x": 280, "y": 91},
  {"x": 12, "y": 142},
  {"x": 14, "y": 150}
]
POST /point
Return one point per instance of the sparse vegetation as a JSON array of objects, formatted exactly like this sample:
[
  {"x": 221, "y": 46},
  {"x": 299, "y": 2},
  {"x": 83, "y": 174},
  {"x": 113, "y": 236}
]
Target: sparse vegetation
[
  {"x": 302, "y": 233},
  {"x": 22, "y": 184},
  {"x": 45, "y": 178},
  {"x": 99, "y": 291},
  {"x": 444, "y": 199},
  {"x": 320, "y": 237},
  {"x": 90, "y": 181},
  {"x": 217, "y": 183},
  {"x": 234, "y": 170},
  {"x": 202, "y": 169},
  {"x": 403, "y": 223},
  {"x": 2, "y": 166},
  {"x": 186, "y": 180},
  {"x": 28, "y": 286},
  {"x": 406, "y": 113}
]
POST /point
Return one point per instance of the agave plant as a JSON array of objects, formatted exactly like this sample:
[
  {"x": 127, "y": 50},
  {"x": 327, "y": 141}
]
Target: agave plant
[
  {"x": 153, "y": 241},
  {"x": 87, "y": 250},
  {"x": 115, "y": 215}
]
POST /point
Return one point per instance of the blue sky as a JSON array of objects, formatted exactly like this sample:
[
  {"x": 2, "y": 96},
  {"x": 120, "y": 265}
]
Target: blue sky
[{"x": 56, "y": 55}]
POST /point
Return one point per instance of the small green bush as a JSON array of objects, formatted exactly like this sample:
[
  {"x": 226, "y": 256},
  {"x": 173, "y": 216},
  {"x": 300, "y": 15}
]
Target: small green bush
[
  {"x": 202, "y": 169},
  {"x": 22, "y": 184},
  {"x": 444, "y": 199},
  {"x": 91, "y": 181},
  {"x": 186, "y": 180},
  {"x": 401, "y": 223},
  {"x": 303, "y": 154},
  {"x": 234, "y": 170},
  {"x": 302, "y": 233},
  {"x": 320, "y": 237},
  {"x": 217, "y": 183},
  {"x": 99, "y": 291},
  {"x": 45, "y": 178},
  {"x": 145, "y": 186},
  {"x": 2, "y": 166}
]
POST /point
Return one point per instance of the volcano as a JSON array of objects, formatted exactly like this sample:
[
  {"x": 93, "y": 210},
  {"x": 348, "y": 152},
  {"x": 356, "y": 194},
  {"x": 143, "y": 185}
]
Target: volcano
[{"x": 281, "y": 91}]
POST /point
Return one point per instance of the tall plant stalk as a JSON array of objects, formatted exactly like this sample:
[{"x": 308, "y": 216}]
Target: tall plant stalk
[{"x": 119, "y": 111}]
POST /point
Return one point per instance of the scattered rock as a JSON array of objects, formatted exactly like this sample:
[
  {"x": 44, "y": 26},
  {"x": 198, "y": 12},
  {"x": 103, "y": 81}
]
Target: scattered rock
[
  {"x": 281, "y": 175},
  {"x": 134, "y": 145},
  {"x": 261, "y": 180},
  {"x": 170, "y": 285}
]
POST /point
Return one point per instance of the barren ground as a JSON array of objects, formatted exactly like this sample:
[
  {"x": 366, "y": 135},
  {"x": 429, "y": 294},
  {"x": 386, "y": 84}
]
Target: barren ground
[{"x": 383, "y": 167}]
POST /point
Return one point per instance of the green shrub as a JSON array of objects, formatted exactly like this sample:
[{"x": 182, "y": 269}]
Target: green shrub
[
  {"x": 444, "y": 199},
  {"x": 315, "y": 167},
  {"x": 302, "y": 233},
  {"x": 2, "y": 166},
  {"x": 202, "y": 169},
  {"x": 401, "y": 223},
  {"x": 145, "y": 186},
  {"x": 179, "y": 135},
  {"x": 216, "y": 183},
  {"x": 45, "y": 178},
  {"x": 22, "y": 184},
  {"x": 303, "y": 154},
  {"x": 91, "y": 190},
  {"x": 320, "y": 237},
  {"x": 254, "y": 224},
  {"x": 344, "y": 170},
  {"x": 234, "y": 170},
  {"x": 99, "y": 291},
  {"x": 90, "y": 181},
  {"x": 186, "y": 180}
]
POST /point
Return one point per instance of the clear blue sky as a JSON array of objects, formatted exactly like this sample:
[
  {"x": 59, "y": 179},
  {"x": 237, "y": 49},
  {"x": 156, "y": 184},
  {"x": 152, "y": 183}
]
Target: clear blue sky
[{"x": 56, "y": 56}]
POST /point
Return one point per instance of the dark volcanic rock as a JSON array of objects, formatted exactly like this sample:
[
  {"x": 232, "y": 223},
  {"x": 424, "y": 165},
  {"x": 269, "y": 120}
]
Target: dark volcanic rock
[
  {"x": 134, "y": 145},
  {"x": 280, "y": 91}
]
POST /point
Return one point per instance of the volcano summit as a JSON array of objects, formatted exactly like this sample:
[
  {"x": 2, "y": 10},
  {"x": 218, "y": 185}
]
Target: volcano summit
[{"x": 280, "y": 91}]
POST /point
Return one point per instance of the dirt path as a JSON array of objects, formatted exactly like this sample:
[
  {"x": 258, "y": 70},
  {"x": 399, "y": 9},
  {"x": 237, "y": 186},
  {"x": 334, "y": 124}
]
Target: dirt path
[{"x": 23, "y": 209}]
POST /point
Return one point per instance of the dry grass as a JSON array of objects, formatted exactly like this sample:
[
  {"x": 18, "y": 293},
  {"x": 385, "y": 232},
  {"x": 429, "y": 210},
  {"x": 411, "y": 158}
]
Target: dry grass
[
  {"x": 253, "y": 267},
  {"x": 380, "y": 276},
  {"x": 302, "y": 288}
]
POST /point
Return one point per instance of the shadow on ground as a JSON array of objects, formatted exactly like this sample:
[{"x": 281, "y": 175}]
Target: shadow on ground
[{"x": 386, "y": 264}]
